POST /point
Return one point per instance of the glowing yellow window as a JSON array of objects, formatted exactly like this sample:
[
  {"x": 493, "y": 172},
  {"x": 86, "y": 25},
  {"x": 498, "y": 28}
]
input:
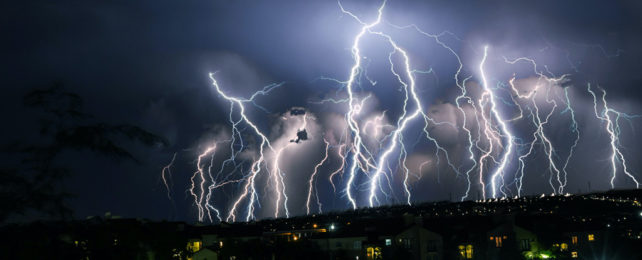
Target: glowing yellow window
[
  {"x": 377, "y": 253},
  {"x": 370, "y": 253},
  {"x": 194, "y": 246},
  {"x": 462, "y": 251},
  {"x": 498, "y": 241},
  {"x": 469, "y": 252},
  {"x": 574, "y": 240},
  {"x": 591, "y": 237},
  {"x": 574, "y": 254},
  {"x": 564, "y": 247}
]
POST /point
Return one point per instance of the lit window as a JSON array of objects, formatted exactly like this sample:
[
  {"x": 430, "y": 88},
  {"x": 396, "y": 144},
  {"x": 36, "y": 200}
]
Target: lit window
[
  {"x": 498, "y": 241},
  {"x": 373, "y": 253},
  {"x": 388, "y": 242},
  {"x": 574, "y": 240},
  {"x": 462, "y": 251},
  {"x": 194, "y": 246},
  {"x": 564, "y": 247},
  {"x": 574, "y": 254},
  {"x": 591, "y": 237},
  {"x": 469, "y": 252},
  {"x": 377, "y": 253}
]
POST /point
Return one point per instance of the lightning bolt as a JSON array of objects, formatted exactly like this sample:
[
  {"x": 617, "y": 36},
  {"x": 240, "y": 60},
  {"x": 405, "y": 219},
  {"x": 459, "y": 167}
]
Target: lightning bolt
[
  {"x": 376, "y": 152},
  {"x": 200, "y": 174},
  {"x": 166, "y": 176},
  {"x": 612, "y": 128},
  {"x": 539, "y": 123},
  {"x": 354, "y": 108},
  {"x": 249, "y": 189},
  {"x": 396, "y": 136},
  {"x": 499, "y": 171},
  {"x": 341, "y": 168},
  {"x": 278, "y": 182},
  {"x": 312, "y": 181},
  {"x": 574, "y": 129}
]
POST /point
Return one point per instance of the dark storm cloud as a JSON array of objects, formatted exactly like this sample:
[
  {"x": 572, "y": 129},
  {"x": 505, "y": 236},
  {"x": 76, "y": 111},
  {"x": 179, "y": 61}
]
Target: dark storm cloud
[{"x": 146, "y": 63}]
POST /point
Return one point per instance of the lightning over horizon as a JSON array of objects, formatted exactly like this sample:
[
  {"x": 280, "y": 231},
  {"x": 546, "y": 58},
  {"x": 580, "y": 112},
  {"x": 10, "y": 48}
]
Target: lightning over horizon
[{"x": 390, "y": 129}]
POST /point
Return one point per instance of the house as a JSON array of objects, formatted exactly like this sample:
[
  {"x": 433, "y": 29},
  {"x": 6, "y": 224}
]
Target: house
[
  {"x": 341, "y": 246},
  {"x": 582, "y": 243},
  {"x": 508, "y": 241},
  {"x": 421, "y": 243}
]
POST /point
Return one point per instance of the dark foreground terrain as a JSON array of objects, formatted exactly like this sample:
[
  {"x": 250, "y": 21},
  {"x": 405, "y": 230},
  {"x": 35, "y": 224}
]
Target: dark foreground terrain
[{"x": 591, "y": 226}]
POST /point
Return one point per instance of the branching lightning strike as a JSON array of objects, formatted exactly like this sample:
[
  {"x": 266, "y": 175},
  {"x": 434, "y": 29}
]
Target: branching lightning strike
[{"x": 373, "y": 155}]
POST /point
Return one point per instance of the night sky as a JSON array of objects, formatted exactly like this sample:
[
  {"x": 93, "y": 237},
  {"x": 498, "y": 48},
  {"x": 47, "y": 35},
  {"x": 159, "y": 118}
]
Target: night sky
[{"x": 146, "y": 63}]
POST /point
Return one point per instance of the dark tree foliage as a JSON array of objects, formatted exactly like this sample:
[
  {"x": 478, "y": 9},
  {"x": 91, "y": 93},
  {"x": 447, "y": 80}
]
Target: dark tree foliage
[{"x": 34, "y": 183}]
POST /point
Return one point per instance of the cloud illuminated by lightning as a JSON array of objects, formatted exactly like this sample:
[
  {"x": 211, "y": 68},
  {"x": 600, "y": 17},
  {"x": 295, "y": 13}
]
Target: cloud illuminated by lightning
[{"x": 373, "y": 146}]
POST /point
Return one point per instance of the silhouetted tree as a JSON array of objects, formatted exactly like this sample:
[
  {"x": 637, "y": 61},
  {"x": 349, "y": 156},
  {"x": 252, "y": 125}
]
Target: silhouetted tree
[{"x": 34, "y": 184}]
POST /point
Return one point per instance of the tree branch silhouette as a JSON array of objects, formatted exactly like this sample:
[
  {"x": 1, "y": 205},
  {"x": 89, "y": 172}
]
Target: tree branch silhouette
[{"x": 35, "y": 185}]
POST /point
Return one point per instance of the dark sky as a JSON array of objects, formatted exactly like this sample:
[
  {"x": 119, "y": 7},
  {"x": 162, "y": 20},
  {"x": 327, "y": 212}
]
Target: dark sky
[{"x": 147, "y": 63}]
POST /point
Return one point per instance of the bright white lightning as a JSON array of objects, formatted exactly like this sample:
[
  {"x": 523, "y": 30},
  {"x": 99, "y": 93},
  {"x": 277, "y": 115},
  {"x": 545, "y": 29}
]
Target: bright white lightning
[
  {"x": 166, "y": 175},
  {"x": 575, "y": 129},
  {"x": 352, "y": 123},
  {"x": 461, "y": 84},
  {"x": 200, "y": 172},
  {"x": 561, "y": 175},
  {"x": 249, "y": 189},
  {"x": 404, "y": 119},
  {"x": 312, "y": 180},
  {"x": 499, "y": 171},
  {"x": 494, "y": 144},
  {"x": 340, "y": 169},
  {"x": 612, "y": 129}
]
